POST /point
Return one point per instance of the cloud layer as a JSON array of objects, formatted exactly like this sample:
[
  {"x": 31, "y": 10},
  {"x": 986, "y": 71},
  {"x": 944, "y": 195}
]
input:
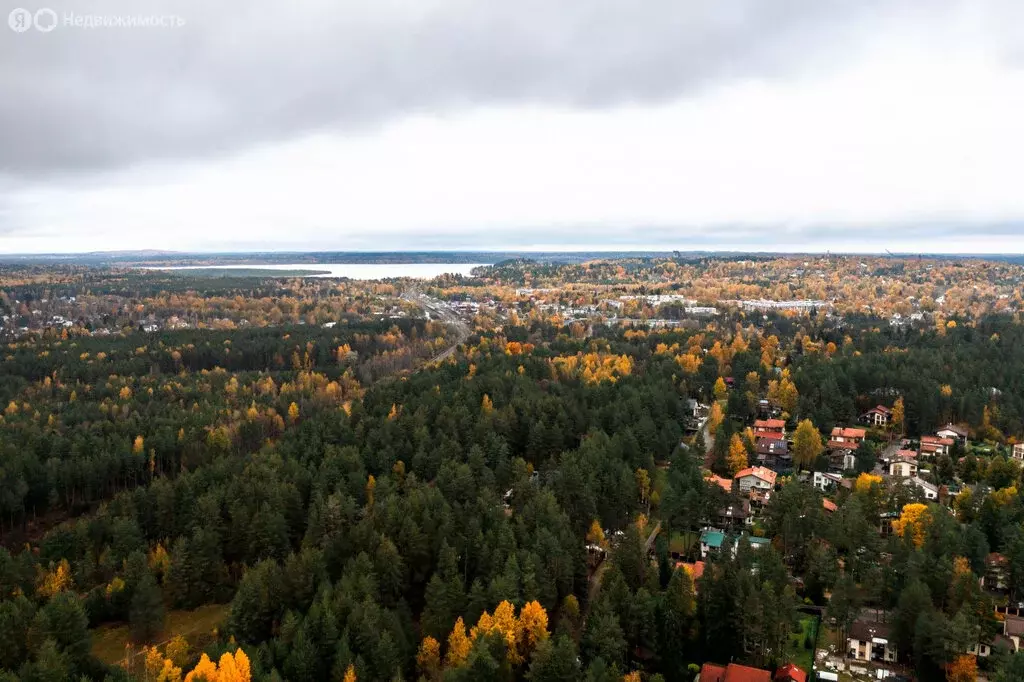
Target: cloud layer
[{"x": 438, "y": 121}]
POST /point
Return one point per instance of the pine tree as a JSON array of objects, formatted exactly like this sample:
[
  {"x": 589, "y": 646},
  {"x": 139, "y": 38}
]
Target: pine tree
[{"x": 146, "y": 615}]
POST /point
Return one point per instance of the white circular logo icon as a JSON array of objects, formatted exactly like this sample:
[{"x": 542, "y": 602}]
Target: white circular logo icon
[
  {"x": 45, "y": 20},
  {"x": 20, "y": 20}
]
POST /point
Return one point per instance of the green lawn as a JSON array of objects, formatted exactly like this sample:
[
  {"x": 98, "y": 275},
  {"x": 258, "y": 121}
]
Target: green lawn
[
  {"x": 109, "y": 641},
  {"x": 798, "y": 653}
]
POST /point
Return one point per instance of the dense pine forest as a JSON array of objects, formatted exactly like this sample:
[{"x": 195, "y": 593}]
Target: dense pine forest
[{"x": 310, "y": 501}]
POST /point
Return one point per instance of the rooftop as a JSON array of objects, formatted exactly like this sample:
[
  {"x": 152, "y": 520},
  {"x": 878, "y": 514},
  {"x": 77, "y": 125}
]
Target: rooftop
[
  {"x": 846, "y": 432},
  {"x": 764, "y": 473}
]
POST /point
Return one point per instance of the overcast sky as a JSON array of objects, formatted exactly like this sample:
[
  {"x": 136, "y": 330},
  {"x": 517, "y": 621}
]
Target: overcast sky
[{"x": 853, "y": 125}]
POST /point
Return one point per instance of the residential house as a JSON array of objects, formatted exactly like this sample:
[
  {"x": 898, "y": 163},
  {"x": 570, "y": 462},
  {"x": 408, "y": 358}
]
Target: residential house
[
  {"x": 1013, "y": 630},
  {"x": 758, "y": 477},
  {"x": 936, "y": 445},
  {"x": 997, "y": 572},
  {"x": 770, "y": 428},
  {"x": 732, "y": 673},
  {"x": 877, "y": 416},
  {"x": 980, "y": 649},
  {"x": 752, "y": 541},
  {"x": 844, "y": 437},
  {"x": 953, "y": 431},
  {"x": 842, "y": 459},
  {"x": 710, "y": 541},
  {"x": 930, "y": 490},
  {"x": 903, "y": 466},
  {"x": 871, "y": 641},
  {"x": 735, "y": 516},
  {"x": 828, "y": 505},
  {"x": 774, "y": 454},
  {"x": 724, "y": 483},
  {"x": 1018, "y": 451},
  {"x": 824, "y": 481},
  {"x": 790, "y": 673}
]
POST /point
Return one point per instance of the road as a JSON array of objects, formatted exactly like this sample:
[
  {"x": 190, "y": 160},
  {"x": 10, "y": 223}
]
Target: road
[
  {"x": 441, "y": 310},
  {"x": 709, "y": 439}
]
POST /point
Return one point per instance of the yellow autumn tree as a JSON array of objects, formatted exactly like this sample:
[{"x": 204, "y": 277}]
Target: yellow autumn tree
[
  {"x": 350, "y": 674},
  {"x": 153, "y": 661},
  {"x": 595, "y": 535},
  {"x": 159, "y": 560},
  {"x": 205, "y": 670},
  {"x": 737, "y": 457},
  {"x": 643, "y": 484},
  {"x": 56, "y": 580},
  {"x": 428, "y": 659},
  {"x": 806, "y": 443},
  {"x": 914, "y": 519},
  {"x": 178, "y": 650},
  {"x": 962, "y": 669},
  {"x": 720, "y": 389},
  {"x": 865, "y": 482},
  {"x": 631, "y": 677},
  {"x": 715, "y": 418},
  {"x": 169, "y": 672},
  {"x": 484, "y": 624},
  {"x": 232, "y": 668},
  {"x": 371, "y": 486},
  {"x": 783, "y": 393},
  {"x": 898, "y": 415},
  {"x": 532, "y": 628},
  {"x": 293, "y": 413},
  {"x": 486, "y": 406},
  {"x": 235, "y": 668},
  {"x": 506, "y": 625},
  {"x": 138, "y": 445},
  {"x": 458, "y": 646},
  {"x": 393, "y": 413}
]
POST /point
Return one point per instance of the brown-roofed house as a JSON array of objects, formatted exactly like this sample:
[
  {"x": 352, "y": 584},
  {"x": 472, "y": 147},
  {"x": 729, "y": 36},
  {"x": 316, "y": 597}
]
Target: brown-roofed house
[
  {"x": 877, "y": 416},
  {"x": 845, "y": 437},
  {"x": 953, "y": 431},
  {"x": 770, "y": 428}
]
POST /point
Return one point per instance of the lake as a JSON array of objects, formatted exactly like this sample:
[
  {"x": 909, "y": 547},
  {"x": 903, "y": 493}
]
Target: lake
[{"x": 350, "y": 270}]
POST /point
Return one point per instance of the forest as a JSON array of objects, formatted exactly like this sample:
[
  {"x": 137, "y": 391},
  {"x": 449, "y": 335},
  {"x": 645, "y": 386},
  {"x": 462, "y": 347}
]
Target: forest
[{"x": 526, "y": 509}]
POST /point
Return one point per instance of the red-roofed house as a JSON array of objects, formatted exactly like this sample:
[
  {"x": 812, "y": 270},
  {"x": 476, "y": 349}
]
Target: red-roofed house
[
  {"x": 877, "y": 416},
  {"x": 790, "y": 673},
  {"x": 829, "y": 505},
  {"x": 770, "y": 428},
  {"x": 724, "y": 483},
  {"x": 843, "y": 437},
  {"x": 934, "y": 445},
  {"x": 733, "y": 673},
  {"x": 761, "y": 478}
]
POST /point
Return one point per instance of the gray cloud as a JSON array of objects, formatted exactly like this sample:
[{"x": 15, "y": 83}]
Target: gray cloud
[{"x": 241, "y": 74}]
